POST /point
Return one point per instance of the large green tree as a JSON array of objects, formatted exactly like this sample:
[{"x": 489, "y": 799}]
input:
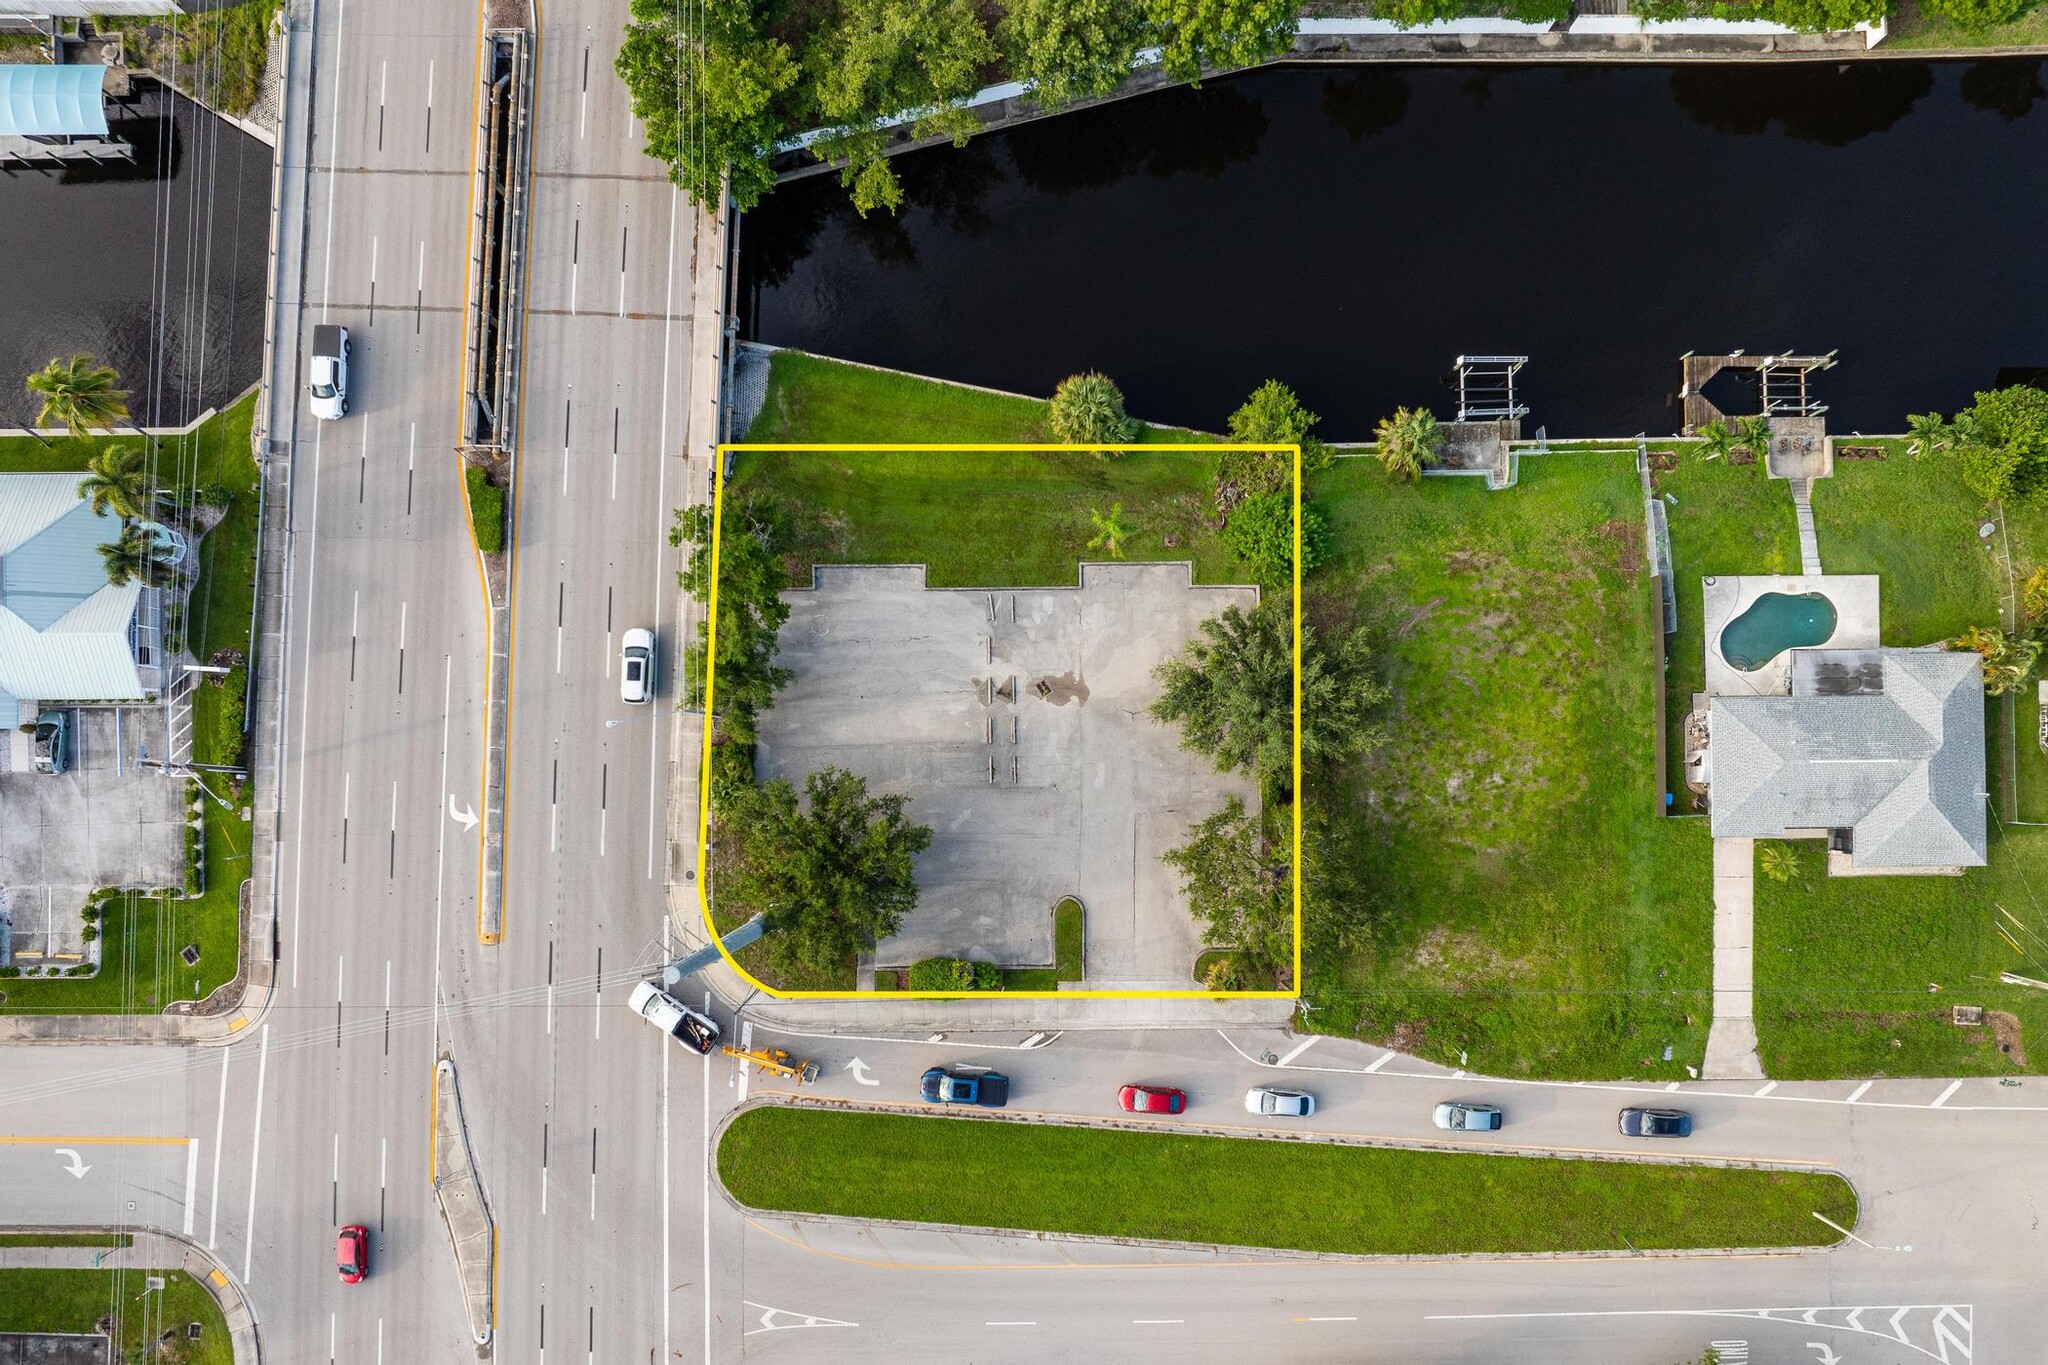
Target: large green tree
[
  {"x": 1240, "y": 892},
  {"x": 79, "y": 394},
  {"x": 1274, "y": 416},
  {"x": 1198, "y": 35},
  {"x": 2002, "y": 444},
  {"x": 710, "y": 86},
  {"x": 833, "y": 873},
  {"x": 888, "y": 58},
  {"x": 1231, "y": 690},
  {"x": 1071, "y": 49},
  {"x": 750, "y": 606},
  {"x": 129, "y": 555}
]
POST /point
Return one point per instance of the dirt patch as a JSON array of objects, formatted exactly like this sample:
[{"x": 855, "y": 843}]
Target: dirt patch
[
  {"x": 1408, "y": 1035},
  {"x": 1417, "y": 617},
  {"x": 1060, "y": 690},
  {"x": 2006, "y": 1029},
  {"x": 1742, "y": 455},
  {"x": 1628, "y": 545},
  {"x": 1663, "y": 461},
  {"x": 1861, "y": 452}
]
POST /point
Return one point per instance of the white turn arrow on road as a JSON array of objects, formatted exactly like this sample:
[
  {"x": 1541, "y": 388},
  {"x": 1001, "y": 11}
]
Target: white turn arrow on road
[
  {"x": 78, "y": 1168},
  {"x": 461, "y": 814},
  {"x": 859, "y": 1069}
]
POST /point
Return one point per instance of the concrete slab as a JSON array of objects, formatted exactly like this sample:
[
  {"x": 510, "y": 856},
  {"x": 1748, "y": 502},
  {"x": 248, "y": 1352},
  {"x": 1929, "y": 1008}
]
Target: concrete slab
[
  {"x": 1015, "y": 720},
  {"x": 106, "y": 822},
  {"x": 1731, "y": 1040}
]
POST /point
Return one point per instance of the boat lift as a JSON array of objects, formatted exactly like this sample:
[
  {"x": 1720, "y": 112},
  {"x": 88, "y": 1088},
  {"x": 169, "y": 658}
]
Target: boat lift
[{"x": 775, "y": 1062}]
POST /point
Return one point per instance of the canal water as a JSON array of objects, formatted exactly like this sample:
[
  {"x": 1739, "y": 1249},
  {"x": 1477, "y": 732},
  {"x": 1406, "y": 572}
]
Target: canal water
[
  {"x": 157, "y": 268},
  {"x": 1351, "y": 230}
]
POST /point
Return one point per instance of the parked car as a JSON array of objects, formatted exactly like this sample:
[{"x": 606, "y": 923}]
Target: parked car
[
  {"x": 327, "y": 383},
  {"x": 1458, "y": 1116},
  {"x": 1659, "y": 1123},
  {"x": 636, "y": 666},
  {"x": 988, "y": 1089},
  {"x": 1152, "y": 1099},
  {"x": 53, "y": 742},
  {"x": 352, "y": 1253},
  {"x": 1272, "y": 1102},
  {"x": 699, "y": 1032}
]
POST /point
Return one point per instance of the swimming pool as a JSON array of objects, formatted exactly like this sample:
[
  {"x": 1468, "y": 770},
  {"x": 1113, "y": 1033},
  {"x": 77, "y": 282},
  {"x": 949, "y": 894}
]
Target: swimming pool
[{"x": 1774, "y": 623}]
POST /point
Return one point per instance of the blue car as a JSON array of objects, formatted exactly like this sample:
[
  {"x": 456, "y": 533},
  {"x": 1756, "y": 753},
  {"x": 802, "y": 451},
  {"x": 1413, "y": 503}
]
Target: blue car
[{"x": 987, "y": 1089}]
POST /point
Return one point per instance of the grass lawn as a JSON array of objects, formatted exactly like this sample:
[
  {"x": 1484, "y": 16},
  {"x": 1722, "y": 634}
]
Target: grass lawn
[
  {"x": 1536, "y": 916},
  {"x": 217, "y": 55},
  {"x": 976, "y": 518},
  {"x": 75, "y": 1300},
  {"x": 1247, "y": 1192},
  {"x": 1067, "y": 937},
  {"x": 1843, "y": 965},
  {"x": 140, "y": 970},
  {"x": 1912, "y": 29}
]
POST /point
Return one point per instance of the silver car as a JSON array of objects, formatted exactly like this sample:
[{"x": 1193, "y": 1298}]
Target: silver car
[
  {"x": 1460, "y": 1117},
  {"x": 1271, "y": 1102}
]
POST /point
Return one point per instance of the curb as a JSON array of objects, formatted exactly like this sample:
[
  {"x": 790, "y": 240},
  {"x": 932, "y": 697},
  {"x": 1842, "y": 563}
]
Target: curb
[
  {"x": 1276, "y": 1254},
  {"x": 195, "y": 1261}
]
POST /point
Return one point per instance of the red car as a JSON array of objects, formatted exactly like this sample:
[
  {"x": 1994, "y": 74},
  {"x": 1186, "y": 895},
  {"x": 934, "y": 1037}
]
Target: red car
[
  {"x": 1151, "y": 1099},
  {"x": 352, "y": 1254}
]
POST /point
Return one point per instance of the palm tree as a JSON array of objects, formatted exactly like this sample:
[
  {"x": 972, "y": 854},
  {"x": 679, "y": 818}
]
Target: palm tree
[
  {"x": 1716, "y": 440},
  {"x": 1406, "y": 442},
  {"x": 1929, "y": 433},
  {"x": 118, "y": 477},
  {"x": 79, "y": 395},
  {"x": 1110, "y": 531},
  {"x": 129, "y": 556},
  {"x": 1756, "y": 434}
]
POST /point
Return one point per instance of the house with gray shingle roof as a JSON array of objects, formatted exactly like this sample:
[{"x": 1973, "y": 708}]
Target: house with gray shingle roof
[
  {"x": 1879, "y": 750},
  {"x": 66, "y": 634}
]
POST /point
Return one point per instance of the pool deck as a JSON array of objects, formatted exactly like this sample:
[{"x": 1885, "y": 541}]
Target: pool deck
[{"x": 1725, "y": 597}]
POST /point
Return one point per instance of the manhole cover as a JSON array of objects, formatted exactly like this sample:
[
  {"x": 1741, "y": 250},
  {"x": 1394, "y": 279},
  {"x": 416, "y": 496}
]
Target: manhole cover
[{"x": 190, "y": 952}]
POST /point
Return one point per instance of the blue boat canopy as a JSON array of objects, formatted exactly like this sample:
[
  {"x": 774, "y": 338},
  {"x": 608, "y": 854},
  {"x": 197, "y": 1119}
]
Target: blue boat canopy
[{"x": 51, "y": 101}]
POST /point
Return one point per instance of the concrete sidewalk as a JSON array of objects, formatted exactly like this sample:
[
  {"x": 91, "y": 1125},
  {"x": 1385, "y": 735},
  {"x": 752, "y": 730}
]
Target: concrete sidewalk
[{"x": 1731, "y": 1042}]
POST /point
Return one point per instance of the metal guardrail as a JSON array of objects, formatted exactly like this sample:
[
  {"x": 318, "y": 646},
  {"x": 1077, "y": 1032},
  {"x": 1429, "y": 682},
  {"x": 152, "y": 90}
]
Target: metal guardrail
[{"x": 497, "y": 248}]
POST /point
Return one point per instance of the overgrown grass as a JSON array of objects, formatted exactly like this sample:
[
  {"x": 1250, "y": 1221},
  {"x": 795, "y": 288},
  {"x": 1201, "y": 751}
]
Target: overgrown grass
[
  {"x": 1534, "y": 913},
  {"x": 1244, "y": 1192},
  {"x": 215, "y": 56},
  {"x": 24, "y": 48},
  {"x": 486, "y": 509},
  {"x": 75, "y": 1300},
  {"x": 140, "y": 935},
  {"x": 218, "y": 615},
  {"x": 975, "y": 518},
  {"x": 1912, "y": 28}
]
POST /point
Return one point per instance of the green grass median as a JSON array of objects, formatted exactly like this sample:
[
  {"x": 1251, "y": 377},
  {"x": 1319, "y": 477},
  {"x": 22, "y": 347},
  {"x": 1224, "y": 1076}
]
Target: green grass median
[{"x": 1252, "y": 1192}]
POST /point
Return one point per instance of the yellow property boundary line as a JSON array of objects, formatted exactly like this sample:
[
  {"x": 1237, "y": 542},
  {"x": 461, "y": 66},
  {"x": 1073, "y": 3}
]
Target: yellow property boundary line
[{"x": 710, "y": 696}]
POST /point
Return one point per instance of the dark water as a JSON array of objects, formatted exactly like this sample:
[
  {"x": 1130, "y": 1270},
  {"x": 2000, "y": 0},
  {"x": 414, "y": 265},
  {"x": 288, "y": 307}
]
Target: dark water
[
  {"x": 1352, "y": 230},
  {"x": 156, "y": 268}
]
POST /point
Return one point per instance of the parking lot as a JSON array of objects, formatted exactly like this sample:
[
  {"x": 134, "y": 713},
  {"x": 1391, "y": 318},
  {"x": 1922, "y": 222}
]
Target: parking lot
[
  {"x": 105, "y": 822},
  {"x": 1016, "y": 722}
]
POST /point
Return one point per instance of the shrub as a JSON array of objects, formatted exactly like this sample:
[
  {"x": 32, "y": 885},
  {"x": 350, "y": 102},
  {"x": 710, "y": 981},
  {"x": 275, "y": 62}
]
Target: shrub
[
  {"x": 732, "y": 771},
  {"x": 1406, "y": 443},
  {"x": 10, "y": 970},
  {"x": 1974, "y": 16},
  {"x": 1261, "y": 532},
  {"x": 486, "y": 509},
  {"x": 195, "y": 859},
  {"x": 1088, "y": 409},
  {"x": 2034, "y": 596},
  {"x": 89, "y": 933},
  {"x": 954, "y": 974},
  {"x": 2001, "y": 442}
]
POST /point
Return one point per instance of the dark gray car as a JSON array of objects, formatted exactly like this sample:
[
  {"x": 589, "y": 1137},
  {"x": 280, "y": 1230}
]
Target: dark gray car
[
  {"x": 1658, "y": 1123},
  {"x": 53, "y": 742}
]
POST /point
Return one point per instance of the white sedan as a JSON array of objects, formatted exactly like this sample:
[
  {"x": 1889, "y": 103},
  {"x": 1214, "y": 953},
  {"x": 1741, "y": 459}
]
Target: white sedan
[
  {"x": 636, "y": 666},
  {"x": 1270, "y": 1102}
]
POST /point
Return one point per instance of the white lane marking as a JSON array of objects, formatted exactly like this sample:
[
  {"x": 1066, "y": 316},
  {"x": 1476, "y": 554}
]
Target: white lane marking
[
  {"x": 333, "y": 148},
  {"x": 1329, "y": 1319},
  {"x": 383, "y": 1161},
  {"x": 1157, "y": 1322},
  {"x": 1301, "y": 1047},
  {"x": 1767, "y": 1088},
  {"x": 1379, "y": 1062},
  {"x": 220, "y": 1128},
  {"x": 660, "y": 518},
  {"x": 330, "y": 1338},
  {"x": 441, "y": 852},
  {"x": 1010, "y": 1324},
  {"x": 306, "y": 678},
  {"x": 769, "y": 1315},
  {"x": 373, "y": 258},
  {"x": 1953, "y": 1086},
  {"x": 191, "y": 1182},
  {"x": 380, "y": 1341},
  {"x": 1859, "y": 1092},
  {"x": 336, "y": 1176},
  {"x": 255, "y": 1155},
  {"x": 340, "y": 978}
]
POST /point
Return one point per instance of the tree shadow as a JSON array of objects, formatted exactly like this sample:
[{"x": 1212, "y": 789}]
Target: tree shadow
[
  {"x": 1831, "y": 105},
  {"x": 1200, "y": 132},
  {"x": 1366, "y": 103},
  {"x": 2009, "y": 89}
]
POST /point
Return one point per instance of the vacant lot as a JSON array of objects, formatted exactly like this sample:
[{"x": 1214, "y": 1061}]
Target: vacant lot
[
  {"x": 1535, "y": 916},
  {"x": 76, "y": 1300},
  {"x": 1367, "y": 1201}
]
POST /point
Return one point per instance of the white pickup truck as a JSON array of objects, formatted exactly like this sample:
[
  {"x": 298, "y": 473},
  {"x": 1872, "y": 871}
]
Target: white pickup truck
[{"x": 329, "y": 386}]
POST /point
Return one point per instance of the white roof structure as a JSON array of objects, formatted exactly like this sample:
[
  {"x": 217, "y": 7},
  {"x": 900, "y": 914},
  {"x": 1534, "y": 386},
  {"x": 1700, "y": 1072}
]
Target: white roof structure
[
  {"x": 65, "y": 632},
  {"x": 52, "y": 101}
]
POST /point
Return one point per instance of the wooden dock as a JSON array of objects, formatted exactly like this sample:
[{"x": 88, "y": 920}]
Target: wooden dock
[{"x": 1783, "y": 382}]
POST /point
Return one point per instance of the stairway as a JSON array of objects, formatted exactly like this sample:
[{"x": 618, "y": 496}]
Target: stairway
[{"x": 1809, "y": 543}]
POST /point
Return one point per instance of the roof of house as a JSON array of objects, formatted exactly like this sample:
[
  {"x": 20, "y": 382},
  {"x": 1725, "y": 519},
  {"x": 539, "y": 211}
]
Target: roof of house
[
  {"x": 50, "y": 101},
  {"x": 1896, "y": 756},
  {"x": 64, "y": 630}
]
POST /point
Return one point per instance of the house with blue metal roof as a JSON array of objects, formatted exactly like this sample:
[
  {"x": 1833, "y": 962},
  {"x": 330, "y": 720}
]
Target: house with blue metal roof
[{"x": 66, "y": 634}]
